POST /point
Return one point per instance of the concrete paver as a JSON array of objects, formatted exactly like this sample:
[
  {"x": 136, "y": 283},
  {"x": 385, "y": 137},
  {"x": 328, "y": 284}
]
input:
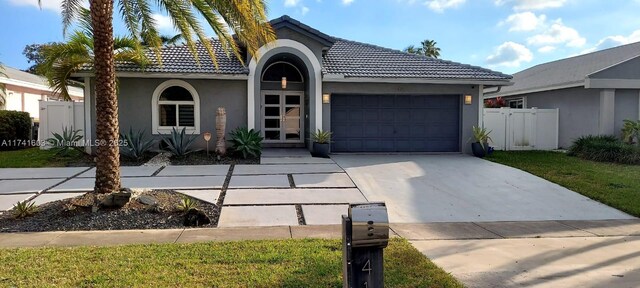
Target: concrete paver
[
  {"x": 294, "y": 160},
  {"x": 186, "y": 182},
  {"x": 7, "y": 201},
  {"x": 285, "y": 169},
  {"x": 317, "y": 231},
  {"x": 195, "y": 170},
  {"x": 75, "y": 185},
  {"x": 442, "y": 231},
  {"x": 533, "y": 229},
  {"x": 461, "y": 188},
  {"x": 35, "y": 173},
  {"x": 26, "y": 185},
  {"x": 292, "y": 196},
  {"x": 608, "y": 227},
  {"x": 209, "y": 196},
  {"x": 28, "y": 239},
  {"x": 252, "y": 216},
  {"x": 115, "y": 237},
  {"x": 333, "y": 180},
  {"x": 234, "y": 234},
  {"x": 125, "y": 171},
  {"x": 324, "y": 214},
  {"x": 50, "y": 197},
  {"x": 285, "y": 152},
  {"x": 259, "y": 181},
  {"x": 539, "y": 262}
]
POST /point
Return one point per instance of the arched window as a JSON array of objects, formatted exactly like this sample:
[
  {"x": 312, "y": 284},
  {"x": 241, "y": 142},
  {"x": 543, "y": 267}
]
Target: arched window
[
  {"x": 176, "y": 104},
  {"x": 276, "y": 71}
]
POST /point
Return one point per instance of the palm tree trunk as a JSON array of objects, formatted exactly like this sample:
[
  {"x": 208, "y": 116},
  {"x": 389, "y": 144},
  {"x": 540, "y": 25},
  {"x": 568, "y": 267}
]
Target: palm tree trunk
[{"x": 107, "y": 128}]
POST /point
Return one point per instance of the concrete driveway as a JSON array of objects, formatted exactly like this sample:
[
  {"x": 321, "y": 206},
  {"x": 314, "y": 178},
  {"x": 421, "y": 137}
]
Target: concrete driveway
[{"x": 460, "y": 188}]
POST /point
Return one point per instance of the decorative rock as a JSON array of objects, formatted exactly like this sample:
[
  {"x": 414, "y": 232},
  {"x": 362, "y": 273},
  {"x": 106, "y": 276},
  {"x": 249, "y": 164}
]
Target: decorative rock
[
  {"x": 195, "y": 217},
  {"x": 148, "y": 200},
  {"x": 116, "y": 200}
]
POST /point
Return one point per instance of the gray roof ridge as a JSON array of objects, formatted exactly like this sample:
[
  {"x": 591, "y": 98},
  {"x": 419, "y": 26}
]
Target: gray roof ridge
[
  {"x": 314, "y": 31},
  {"x": 613, "y": 65},
  {"x": 425, "y": 57}
]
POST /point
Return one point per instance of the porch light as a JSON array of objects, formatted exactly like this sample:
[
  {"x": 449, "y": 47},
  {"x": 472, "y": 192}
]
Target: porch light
[
  {"x": 326, "y": 98},
  {"x": 207, "y": 137},
  {"x": 468, "y": 99},
  {"x": 284, "y": 83}
]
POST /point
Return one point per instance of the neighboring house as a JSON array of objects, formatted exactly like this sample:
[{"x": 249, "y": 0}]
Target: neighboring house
[
  {"x": 594, "y": 92},
  {"x": 25, "y": 90},
  {"x": 373, "y": 99}
]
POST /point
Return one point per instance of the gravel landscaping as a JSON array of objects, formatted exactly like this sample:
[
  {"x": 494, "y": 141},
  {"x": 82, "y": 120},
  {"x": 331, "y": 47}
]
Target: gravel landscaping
[
  {"x": 201, "y": 158},
  {"x": 72, "y": 215}
]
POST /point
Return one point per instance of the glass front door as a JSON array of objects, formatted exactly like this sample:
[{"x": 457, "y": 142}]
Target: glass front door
[{"x": 282, "y": 116}]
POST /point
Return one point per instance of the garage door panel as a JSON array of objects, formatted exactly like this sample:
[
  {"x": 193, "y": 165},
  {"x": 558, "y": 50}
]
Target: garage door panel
[{"x": 395, "y": 123}]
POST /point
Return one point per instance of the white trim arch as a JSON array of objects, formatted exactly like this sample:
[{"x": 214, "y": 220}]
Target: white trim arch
[
  {"x": 315, "y": 70},
  {"x": 155, "y": 106}
]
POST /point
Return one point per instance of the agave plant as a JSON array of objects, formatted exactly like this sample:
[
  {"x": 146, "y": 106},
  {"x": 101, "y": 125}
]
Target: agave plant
[
  {"x": 66, "y": 142},
  {"x": 187, "y": 203},
  {"x": 135, "y": 144},
  {"x": 320, "y": 136},
  {"x": 481, "y": 135},
  {"x": 246, "y": 142},
  {"x": 24, "y": 209},
  {"x": 179, "y": 143}
]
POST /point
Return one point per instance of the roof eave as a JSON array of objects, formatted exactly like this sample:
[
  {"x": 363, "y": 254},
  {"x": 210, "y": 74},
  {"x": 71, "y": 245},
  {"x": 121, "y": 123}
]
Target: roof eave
[
  {"x": 539, "y": 89},
  {"x": 409, "y": 80},
  {"x": 218, "y": 76}
]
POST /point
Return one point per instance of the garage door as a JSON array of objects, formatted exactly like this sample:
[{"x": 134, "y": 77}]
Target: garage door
[{"x": 395, "y": 123}]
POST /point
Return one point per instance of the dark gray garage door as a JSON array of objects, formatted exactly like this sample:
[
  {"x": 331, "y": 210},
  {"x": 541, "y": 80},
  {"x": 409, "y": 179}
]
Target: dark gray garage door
[{"x": 395, "y": 123}]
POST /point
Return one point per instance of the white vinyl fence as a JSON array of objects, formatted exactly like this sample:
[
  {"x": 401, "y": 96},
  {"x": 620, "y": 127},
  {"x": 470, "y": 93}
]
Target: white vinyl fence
[
  {"x": 57, "y": 115},
  {"x": 522, "y": 129}
]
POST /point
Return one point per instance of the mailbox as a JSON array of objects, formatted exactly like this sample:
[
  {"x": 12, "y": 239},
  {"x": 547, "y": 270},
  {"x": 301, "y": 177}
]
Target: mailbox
[
  {"x": 365, "y": 233},
  {"x": 370, "y": 225}
]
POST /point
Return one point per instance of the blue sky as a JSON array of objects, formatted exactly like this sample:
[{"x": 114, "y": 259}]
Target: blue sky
[{"x": 504, "y": 35}]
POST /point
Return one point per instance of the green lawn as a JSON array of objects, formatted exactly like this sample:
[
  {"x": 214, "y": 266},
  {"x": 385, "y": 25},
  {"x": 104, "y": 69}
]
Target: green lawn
[
  {"x": 287, "y": 263},
  {"x": 35, "y": 157},
  {"x": 613, "y": 184}
]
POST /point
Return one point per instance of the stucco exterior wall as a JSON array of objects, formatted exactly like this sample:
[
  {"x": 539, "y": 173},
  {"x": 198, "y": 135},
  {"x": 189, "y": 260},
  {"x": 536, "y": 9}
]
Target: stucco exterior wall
[
  {"x": 626, "y": 107},
  {"x": 136, "y": 94},
  {"x": 469, "y": 113}
]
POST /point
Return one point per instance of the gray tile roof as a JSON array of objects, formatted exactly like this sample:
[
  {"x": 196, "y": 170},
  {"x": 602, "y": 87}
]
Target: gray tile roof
[
  {"x": 15, "y": 74},
  {"x": 569, "y": 71},
  {"x": 354, "y": 59}
]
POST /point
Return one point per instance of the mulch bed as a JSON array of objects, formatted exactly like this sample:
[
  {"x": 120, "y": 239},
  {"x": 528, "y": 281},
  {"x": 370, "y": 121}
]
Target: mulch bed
[
  {"x": 201, "y": 158},
  {"x": 56, "y": 216},
  {"x": 88, "y": 160}
]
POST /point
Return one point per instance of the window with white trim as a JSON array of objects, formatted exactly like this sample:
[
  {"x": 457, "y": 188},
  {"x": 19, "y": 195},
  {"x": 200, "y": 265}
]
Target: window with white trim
[
  {"x": 175, "y": 105},
  {"x": 516, "y": 103}
]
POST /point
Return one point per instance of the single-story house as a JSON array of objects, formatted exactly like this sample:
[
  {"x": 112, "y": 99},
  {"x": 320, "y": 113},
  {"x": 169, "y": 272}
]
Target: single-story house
[
  {"x": 594, "y": 92},
  {"x": 372, "y": 99},
  {"x": 24, "y": 91}
]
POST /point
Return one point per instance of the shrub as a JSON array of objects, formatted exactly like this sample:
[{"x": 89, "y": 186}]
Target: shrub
[
  {"x": 15, "y": 129},
  {"x": 187, "y": 203},
  {"x": 135, "y": 144},
  {"x": 246, "y": 142},
  {"x": 605, "y": 149},
  {"x": 66, "y": 142},
  {"x": 322, "y": 137},
  {"x": 24, "y": 209},
  {"x": 631, "y": 132},
  {"x": 178, "y": 143}
]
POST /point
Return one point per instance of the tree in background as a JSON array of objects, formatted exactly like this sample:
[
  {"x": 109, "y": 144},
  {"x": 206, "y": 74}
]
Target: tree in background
[
  {"x": 34, "y": 55},
  {"x": 247, "y": 18},
  {"x": 428, "y": 49}
]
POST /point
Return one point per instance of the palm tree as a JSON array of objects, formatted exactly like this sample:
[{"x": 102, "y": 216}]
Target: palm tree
[
  {"x": 428, "y": 49},
  {"x": 3, "y": 92},
  {"x": 247, "y": 18}
]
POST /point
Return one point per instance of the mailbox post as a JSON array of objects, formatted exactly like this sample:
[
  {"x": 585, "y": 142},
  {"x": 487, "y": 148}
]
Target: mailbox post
[{"x": 365, "y": 233}]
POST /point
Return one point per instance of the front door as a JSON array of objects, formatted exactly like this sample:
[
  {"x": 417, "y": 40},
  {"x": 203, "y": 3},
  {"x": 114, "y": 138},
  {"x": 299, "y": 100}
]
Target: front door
[{"x": 282, "y": 120}]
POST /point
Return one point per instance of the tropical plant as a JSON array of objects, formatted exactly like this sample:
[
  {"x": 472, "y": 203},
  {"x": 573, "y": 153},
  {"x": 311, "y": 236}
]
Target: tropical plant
[
  {"x": 24, "y": 209},
  {"x": 631, "y": 132},
  {"x": 320, "y": 136},
  {"x": 481, "y": 135},
  {"x": 135, "y": 144},
  {"x": 35, "y": 56},
  {"x": 605, "y": 149},
  {"x": 428, "y": 48},
  {"x": 179, "y": 143},
  {"x": 66, "y": 142},
  {"x": 3, "y": 92},
  {"x": 246, "y": 142},
  {"x": 247, "y": 19},
  {"x": 498, "y": 102},
  {"x": 187, "y": 203}
]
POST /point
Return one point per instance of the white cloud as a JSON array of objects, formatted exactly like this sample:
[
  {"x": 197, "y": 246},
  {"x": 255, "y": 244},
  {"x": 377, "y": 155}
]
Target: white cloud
[
  {"x": 441, "y": 5},
  {"x": 291, "y": 3},
  {"x": 304, "y": 10},
  {"x": 525, "y": 21},
  {"x": 510, "y": 54},
  {"x": 523, "y": 5},
  {"x": 613, "y": 41},
  {"x": 53, "y": 5},
  {"x": 163, "y": 22},
  {"x": 546, "y": 49},
  {"x": 347, "y": 2},
  {"x": 558, "y": 33}
]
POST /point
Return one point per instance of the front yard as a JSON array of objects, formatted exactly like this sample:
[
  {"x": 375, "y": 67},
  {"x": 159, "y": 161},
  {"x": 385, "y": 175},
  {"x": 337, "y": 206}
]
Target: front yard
[
  {"x": 36, "y": 157},
  {"x": 286, "y": 263},
  {"x": 613, "y": 184}
]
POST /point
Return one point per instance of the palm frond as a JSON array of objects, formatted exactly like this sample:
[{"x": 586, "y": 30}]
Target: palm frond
[
  {"x": 71, "y": 11},
  {"x": 3, "y": 92}
]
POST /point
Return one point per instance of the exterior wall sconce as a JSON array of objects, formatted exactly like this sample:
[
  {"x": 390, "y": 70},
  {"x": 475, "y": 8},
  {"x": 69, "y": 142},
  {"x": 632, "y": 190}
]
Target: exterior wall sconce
[
  {"x": 326, "y": 98},
  {"x": 284, "y": 83},
  {"x": 468, "y": 99}
]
